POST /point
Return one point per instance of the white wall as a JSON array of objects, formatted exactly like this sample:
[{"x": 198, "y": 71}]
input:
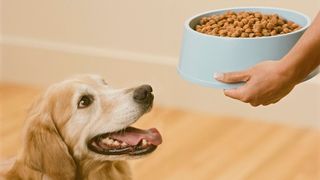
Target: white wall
[
  {"x": 146, "y": 26},
  {"x": 131, "y": 42}
]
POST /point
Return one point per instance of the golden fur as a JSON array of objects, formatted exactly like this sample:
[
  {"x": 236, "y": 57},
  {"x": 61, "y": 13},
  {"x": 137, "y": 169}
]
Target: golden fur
[{"x": 56, "y": 132}]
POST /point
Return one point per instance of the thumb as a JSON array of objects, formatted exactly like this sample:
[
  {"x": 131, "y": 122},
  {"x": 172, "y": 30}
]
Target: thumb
[{"x": 232, "y": 77}]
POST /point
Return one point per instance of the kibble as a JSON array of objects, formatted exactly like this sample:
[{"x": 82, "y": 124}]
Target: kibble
[{"x": 245, "y": 25}]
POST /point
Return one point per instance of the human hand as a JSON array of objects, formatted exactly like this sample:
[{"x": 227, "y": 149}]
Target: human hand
[
  {"x": 265, "y": 83},
  {"x": 270, "y": 81}
]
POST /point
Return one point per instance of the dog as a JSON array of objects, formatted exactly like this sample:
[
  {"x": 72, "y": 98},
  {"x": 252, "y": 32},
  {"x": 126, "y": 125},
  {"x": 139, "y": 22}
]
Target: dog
[{"x": 80, "y": 129}]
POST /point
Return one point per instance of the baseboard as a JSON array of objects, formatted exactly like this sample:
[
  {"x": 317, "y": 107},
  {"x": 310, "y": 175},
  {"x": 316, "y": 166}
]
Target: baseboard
[
  {"x": 42, "y": 63},
  {"x": 87, "y": 50}
]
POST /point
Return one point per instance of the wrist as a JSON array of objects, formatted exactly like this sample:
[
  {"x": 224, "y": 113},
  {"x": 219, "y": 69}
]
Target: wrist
[{"x": 290, "y": 68}]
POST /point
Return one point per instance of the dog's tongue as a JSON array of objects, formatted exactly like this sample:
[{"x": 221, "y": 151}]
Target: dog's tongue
[{"x": 133, "y": 136}]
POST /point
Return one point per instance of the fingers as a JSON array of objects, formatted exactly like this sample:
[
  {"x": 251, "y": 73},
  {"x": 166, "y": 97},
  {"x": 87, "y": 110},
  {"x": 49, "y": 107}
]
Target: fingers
[
  {"x": 243, "y": 95},
  {"x": 250, "y": 97},
  {"x": 232, "y": 77},
  {"x": 237, "y": 94},
  {"x": 240, "y": 94}
]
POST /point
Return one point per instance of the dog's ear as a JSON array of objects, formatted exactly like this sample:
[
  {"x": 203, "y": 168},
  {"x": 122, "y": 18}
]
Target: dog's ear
[{"x": 44, "y": 148}]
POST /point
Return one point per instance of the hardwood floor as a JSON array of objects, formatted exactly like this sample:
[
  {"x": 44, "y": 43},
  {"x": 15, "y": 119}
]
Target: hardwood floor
[{"x": 196, "y": 146}]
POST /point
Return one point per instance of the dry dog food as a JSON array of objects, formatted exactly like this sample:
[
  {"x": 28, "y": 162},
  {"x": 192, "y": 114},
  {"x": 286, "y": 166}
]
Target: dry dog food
[{"x": 245, "y": 25}]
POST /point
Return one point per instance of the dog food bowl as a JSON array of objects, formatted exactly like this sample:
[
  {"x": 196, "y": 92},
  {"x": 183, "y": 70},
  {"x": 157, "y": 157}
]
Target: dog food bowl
[{"x": 203, "y": 55}]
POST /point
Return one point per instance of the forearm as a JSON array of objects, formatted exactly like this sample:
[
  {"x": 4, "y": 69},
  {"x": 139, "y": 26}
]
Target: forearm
[{"x": 304, "y": 57}]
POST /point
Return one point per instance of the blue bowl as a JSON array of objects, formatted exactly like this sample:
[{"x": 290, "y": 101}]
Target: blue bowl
[{"x": 203, "y": 55}]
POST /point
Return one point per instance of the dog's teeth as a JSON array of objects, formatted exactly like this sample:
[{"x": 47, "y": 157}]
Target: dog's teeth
[
  {"x": 144, "y": 142},
  {"x": 109, "y": 141},
  {"x": 106, "y": 140},
  {"x": 123, "y": 144},
  {"x": 116, "y": 143}
]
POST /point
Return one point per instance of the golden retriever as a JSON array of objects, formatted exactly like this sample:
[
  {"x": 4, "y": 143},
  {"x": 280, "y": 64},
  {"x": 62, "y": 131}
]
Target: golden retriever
[{"x": 80, "y": 129}]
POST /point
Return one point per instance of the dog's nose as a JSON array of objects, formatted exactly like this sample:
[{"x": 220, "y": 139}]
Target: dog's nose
[{"x": 142, "y": 94}]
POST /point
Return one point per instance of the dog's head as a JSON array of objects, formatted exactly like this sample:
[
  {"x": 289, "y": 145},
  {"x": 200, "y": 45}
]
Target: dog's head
[{"x": 84, "y": 117}]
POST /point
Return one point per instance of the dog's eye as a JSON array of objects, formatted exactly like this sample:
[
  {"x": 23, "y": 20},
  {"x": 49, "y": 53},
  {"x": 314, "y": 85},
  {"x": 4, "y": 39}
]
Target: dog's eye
[{"x": 85, "y": 101}]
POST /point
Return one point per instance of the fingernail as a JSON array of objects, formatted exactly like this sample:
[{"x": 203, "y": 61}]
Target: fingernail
[{"x": 218, "y": 75}]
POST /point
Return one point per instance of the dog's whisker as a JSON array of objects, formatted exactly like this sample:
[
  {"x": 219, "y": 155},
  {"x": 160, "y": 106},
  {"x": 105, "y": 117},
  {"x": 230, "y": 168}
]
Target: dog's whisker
[{"x": 123, "y": 131}]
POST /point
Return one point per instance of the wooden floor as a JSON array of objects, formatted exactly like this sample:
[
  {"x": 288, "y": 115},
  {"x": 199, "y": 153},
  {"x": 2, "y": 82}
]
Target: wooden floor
[{"x": 196, "y": 146}]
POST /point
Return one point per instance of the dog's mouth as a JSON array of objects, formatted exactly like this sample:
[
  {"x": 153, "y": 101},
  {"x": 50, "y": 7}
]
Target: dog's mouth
[{"x": 130, "y": 141}]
